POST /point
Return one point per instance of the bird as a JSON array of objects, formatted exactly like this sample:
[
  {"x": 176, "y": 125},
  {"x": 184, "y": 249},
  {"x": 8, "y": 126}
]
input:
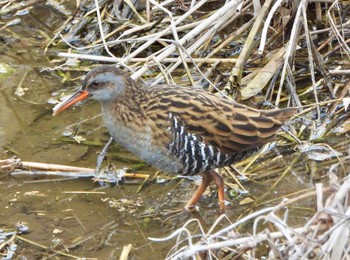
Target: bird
[{"x": 179, "y": 130}]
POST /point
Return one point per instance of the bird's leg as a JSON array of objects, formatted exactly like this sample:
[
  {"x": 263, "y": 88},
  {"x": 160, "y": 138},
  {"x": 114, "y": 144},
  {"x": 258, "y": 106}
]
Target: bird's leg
[
  {"x": 102, "y": 155},
  {"x": 219, "y": 182},
  {"x": 207, "y": 177}
]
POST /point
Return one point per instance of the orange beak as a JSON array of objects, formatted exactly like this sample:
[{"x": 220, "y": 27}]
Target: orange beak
[{"x": 80, "y": 95}]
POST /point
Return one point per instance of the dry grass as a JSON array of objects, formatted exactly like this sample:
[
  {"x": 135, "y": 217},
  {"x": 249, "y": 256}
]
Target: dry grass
[{"x": 325, "y": 235}]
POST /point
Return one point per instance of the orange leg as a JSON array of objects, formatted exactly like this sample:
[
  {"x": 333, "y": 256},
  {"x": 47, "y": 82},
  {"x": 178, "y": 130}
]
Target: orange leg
[
  {"x": 219, "y": 182},
  {"x": 207, "y": 178}
]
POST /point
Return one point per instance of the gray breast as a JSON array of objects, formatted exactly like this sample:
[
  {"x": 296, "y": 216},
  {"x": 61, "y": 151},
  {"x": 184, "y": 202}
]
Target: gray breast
[{"x": 140, "y": 144}]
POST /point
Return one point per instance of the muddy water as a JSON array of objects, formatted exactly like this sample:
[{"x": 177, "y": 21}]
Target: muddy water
[{"x": 77, "y": 216}]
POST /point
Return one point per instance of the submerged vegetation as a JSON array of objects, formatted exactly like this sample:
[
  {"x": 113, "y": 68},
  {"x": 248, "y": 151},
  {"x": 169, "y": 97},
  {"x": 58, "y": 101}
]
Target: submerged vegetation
[{"x": 264, "y": 53}]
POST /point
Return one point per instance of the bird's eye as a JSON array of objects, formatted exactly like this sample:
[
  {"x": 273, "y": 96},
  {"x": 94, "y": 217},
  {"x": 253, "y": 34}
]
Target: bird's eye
[{"x": 95, "y": 83}]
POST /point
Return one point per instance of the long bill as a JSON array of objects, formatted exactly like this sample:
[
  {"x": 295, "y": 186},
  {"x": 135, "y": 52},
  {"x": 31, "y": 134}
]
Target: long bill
[{"x": 80, "y": 95}]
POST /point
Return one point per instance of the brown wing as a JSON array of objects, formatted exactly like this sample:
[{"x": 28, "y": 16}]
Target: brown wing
[{"x": 220, "y": 122}]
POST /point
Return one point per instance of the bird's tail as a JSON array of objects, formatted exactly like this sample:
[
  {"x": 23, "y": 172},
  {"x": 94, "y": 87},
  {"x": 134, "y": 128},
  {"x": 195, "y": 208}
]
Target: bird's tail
[{"x": 282, "y": 114}]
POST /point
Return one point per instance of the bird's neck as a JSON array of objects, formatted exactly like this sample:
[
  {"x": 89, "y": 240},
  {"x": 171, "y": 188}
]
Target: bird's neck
[{"x": 127, "y": 108}]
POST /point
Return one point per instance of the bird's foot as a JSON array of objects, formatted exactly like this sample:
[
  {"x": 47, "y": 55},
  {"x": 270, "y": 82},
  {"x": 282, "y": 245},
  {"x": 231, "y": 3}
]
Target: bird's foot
[{"x": 191, "y": 208}]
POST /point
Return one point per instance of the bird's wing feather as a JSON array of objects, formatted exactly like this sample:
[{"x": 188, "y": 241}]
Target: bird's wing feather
[{"x": 222, "y": 123}]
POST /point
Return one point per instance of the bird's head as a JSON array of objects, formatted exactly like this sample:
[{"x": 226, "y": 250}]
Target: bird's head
[{"x": 103, "y": 83}]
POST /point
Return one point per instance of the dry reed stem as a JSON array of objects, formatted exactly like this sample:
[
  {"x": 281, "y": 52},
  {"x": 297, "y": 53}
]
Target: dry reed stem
[
  {"x": 228, "y": 40},
  {"x": 47, "y": 248},
  {"x": 236, "y": 73},
  {"x": 137, "y": 60},
  {"x": 290, "y": 52},
  {"x": 310, "y": 57},
  {"x": 18, "y": 167},
  {"x": 125, "y": 253},
  {"x": 263, "y": 77},
  {"x": 274, "y": 8}
]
